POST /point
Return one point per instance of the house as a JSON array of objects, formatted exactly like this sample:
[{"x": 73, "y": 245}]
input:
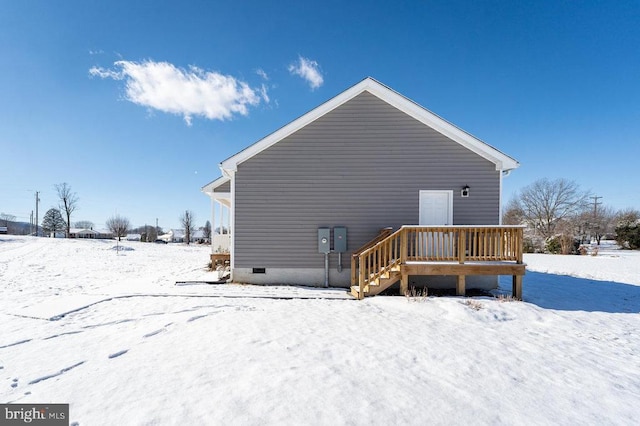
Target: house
[
  {"x": 3, "y": 229},
  {"x": 89, "y": 233},
  {"x": 83, "y": 233},
  {"x": 306, "y": 204},
  {"x": 177, "y": 236},
  {"x": 173, "y": 236},
  {"x": 104, "y": 234}
]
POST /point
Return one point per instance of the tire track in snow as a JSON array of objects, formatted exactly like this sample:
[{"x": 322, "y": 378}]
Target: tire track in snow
[
  {"x": 56, "y": 374},
  {"x": 15, "y": 343}
]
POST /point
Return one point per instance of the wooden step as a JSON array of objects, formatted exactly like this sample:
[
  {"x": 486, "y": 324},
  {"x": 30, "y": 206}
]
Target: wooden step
[{"x": 376, "y": 286}]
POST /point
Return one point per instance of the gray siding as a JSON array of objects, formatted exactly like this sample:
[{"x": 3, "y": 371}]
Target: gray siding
[
  {"x": 360, "y": 166},
  {"x": 225, "y": 187}
]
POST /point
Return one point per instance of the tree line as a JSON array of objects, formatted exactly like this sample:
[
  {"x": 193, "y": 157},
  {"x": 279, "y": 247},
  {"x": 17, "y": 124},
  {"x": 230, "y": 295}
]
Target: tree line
[
  {"x": 560, "y": 216},
  {"x": 58, "y": 220}
]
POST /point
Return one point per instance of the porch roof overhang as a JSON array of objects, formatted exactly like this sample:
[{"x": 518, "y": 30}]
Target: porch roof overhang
[{"x": 210, "y": 188}]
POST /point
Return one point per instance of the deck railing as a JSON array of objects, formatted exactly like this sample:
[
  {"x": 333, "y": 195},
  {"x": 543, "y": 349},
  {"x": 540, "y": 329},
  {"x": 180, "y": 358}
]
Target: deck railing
[
  {"x": 463, "y": 243},
  {"x": 437, "y": 244}
]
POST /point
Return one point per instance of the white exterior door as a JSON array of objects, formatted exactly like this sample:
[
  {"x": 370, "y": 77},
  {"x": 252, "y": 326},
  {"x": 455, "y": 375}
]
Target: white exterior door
[{"x": 436, "y": 208}]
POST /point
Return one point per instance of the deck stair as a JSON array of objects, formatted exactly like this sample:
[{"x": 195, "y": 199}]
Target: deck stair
[{"x": 437, "y": 250}]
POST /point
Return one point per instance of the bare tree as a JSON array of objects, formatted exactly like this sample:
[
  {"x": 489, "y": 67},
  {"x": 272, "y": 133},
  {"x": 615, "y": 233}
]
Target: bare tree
[
  {"x": 6, "y": 218},
  {"x": 152, "y": 233},
  {"x": 187, "y": 221},
  {"x": 512, "y": 214},
  {"x": 53, "y": 222},
  {"x": 68, "y": 201},
  {"x": 546, "y": 202},
  {"x": 84, "y": 224},
  {"x": 118, "y": 225},
  {"x": 628, "y": 215},
  {"x": 596, "y": 223},
  {"x": 206, "y": 229}
]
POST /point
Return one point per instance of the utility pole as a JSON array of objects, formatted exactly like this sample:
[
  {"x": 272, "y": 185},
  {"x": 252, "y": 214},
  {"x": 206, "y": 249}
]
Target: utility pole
[
  {"x": 595, "y": 199},
  {"x": 37, "y": 201},
  {"x": 596, "y": 225},
  {"x": 31, "y": 223}
]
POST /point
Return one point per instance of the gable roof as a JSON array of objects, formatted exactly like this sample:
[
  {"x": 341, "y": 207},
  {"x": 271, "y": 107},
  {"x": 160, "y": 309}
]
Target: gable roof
[{"x": 502, "y": 161}]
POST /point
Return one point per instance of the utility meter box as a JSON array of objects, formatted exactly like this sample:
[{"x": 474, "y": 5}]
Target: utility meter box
[
  {"x": 324, "y": 240},
  {"x": 340, "y": 239}
]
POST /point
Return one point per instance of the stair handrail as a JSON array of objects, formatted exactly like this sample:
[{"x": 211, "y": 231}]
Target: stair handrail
[
  {"x": 382, "y": 234},
  {"x": 379, "y": 259}
]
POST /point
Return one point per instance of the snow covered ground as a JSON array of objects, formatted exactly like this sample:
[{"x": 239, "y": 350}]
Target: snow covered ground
[{"x": 110, "y": 333}]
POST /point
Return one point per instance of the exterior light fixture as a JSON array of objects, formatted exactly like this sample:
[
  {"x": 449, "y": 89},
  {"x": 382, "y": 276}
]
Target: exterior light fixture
[{"x": 464, "y": 192}]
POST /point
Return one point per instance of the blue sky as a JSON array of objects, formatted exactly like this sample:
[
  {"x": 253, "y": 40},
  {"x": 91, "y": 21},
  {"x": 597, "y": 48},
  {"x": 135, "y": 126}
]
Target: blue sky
[{"x": 134, "y": 103}]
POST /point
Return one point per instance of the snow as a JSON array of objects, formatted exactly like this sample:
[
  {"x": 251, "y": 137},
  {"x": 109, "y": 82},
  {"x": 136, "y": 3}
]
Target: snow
[{"x": 110, "y": 333}]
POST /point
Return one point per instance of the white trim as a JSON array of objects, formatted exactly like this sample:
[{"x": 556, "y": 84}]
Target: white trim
[
  {"x": 449, "y": 192},
  {"x": 232, "y": 224},
  {"x": 213, "y": 224},
  {"x": 501, "y": 160},
  {"x": 500, "y": 201}
]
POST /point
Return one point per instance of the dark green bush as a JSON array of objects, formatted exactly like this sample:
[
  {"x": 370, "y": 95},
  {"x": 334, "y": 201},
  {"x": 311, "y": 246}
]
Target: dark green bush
[
  {"x": 628, "y": 235},
  {"x": 553, "y": 245}
]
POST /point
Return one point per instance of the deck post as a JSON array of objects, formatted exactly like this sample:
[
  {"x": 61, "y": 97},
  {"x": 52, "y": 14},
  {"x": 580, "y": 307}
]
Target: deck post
[
  {"x": 361, "y": 274},
  {"x": 404, "y": 285},
  {"x": 403, "y": 246},
  {"x": 517, "y": 287},
  {"x": 353, "y": 270},
  {"x": 460, "y": 285},
  {"x": 519, "y": 245},
  {"x": 462, "y": 246}
]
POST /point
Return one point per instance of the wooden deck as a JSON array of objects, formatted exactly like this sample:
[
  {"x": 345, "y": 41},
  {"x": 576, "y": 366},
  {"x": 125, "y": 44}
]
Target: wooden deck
[
  {"x": 437, "y": 250},
  {"x": 220, "y": 259}
]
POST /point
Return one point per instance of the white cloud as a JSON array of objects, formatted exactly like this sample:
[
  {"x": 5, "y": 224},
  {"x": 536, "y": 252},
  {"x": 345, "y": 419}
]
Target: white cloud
[
  {"x": 105, "y": 73},
  {"x": 262, "y": 74},
  {"x": 263, "y": 93},
  {"x": 308, "y": 70},
  {"x": 186, "y": 92}
]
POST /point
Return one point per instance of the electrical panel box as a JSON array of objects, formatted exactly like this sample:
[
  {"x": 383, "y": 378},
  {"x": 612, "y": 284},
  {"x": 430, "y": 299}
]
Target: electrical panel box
[
  {"x": 324, "y": 240},
  {"x": 340, "y": 239}
]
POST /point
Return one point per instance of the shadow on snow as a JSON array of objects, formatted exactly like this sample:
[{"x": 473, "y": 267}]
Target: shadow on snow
[{"x": 562, "y": 292}]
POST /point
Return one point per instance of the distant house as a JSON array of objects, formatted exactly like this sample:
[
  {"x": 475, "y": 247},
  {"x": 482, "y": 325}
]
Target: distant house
[
  {"x": 3, "y": 230},
  {"x": 306, "y": 204},
  {"x": 90, "y": 233},
  {"x": 173, "y": 236},
  {"x": 197, "y": 236},
  {"x": 133, "y": 237},
  {"x": 83, "y": 233},
  {"x": 104, "y": 234},
  {"x": 177, "y": 236}
]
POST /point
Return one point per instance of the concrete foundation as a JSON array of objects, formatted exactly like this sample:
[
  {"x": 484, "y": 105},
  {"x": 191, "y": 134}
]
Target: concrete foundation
[{"x": 315, "y": 278}]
